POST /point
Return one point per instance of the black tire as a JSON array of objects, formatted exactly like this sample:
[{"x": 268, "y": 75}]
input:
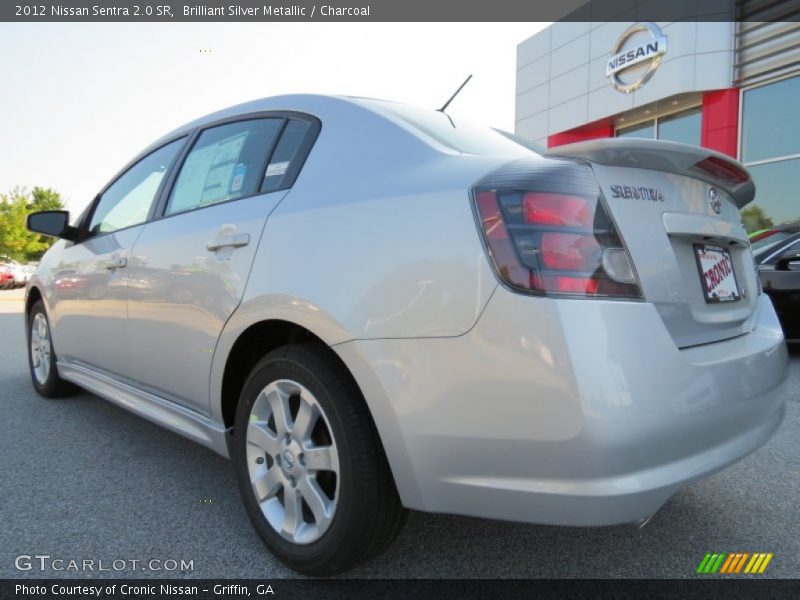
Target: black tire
[
  {"x": 369, "y": 514},
  {"x": 53, "y": 386}
]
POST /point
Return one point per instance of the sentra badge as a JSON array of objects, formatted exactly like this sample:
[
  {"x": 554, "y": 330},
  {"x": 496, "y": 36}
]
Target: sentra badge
[{"x": 637, "y": 192}]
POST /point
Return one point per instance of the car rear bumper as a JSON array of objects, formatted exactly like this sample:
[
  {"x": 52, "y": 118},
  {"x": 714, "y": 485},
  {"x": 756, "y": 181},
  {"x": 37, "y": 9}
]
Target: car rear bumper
[{"x": 567, "y": 412}]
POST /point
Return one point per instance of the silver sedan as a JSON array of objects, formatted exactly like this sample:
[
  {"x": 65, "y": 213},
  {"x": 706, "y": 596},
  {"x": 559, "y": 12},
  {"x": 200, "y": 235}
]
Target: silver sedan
[{"x": 371, "y": 307}]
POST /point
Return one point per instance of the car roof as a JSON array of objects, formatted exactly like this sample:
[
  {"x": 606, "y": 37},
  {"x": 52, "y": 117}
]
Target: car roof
[
  {"x": 317, "y": 105},
  {"x": 361, "y": 123}
]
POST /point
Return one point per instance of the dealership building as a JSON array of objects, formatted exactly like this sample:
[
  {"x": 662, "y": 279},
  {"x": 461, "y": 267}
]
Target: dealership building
[{"x": 731, "y": 87}]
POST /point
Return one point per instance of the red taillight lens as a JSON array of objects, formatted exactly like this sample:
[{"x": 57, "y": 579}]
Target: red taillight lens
[
  {"x": 570, "y": 251},
  {"x": 493, "y": 225},
  {"x": 544, "y": 241},
  {"x": 556, "y": 209},
  {"x": 500, "y": 245}
]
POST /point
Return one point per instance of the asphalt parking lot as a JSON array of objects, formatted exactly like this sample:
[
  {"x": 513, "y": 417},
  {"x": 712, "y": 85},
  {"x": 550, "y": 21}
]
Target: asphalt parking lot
[{"x": 82, "y": 479}]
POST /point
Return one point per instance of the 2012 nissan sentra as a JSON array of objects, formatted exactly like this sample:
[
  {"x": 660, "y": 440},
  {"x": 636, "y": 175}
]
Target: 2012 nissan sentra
[{"x": 371, "y": 307}]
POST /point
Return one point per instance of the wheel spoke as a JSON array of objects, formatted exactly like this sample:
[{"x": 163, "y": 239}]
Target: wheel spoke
[
  {"x": 305, "y": 421},
  {"x": 322, "y": 458},
  {"x": 317, "y": 501},
  {"x": 293, "y": 514},
  {"x": 268, "y": 484},
  {"x": 279, "y": 402},
  {"x": 259, "y": 435}
]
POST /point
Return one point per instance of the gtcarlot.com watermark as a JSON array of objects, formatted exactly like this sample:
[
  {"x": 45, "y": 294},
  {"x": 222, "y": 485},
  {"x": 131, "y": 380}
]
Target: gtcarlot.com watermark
[{"x": 45, "y": 563}]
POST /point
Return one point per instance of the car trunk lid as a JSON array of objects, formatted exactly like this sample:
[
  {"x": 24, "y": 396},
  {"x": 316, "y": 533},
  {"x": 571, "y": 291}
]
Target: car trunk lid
[{"x": 677, "y": 210}]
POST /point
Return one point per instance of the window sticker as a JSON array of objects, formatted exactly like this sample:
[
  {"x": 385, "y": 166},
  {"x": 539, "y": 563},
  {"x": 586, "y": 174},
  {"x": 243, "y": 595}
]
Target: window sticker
[
  {"x": 277, "y": 169},
  {"x": 239, "y": 173},
  {"x": 222, "y": 158}
]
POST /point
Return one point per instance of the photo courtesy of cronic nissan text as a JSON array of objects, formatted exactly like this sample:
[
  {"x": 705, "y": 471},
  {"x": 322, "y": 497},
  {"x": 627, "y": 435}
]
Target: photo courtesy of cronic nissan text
[{"x": 372, "y": 299}]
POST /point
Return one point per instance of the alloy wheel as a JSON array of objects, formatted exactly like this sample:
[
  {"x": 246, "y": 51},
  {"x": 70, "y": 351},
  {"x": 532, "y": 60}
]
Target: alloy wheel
[
  {"x": 40, "y": 348},
  {"x": 293, "y": 461}
]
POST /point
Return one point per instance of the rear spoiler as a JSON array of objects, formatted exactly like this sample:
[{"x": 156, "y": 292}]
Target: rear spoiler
[{"x": 670, "y": 157}]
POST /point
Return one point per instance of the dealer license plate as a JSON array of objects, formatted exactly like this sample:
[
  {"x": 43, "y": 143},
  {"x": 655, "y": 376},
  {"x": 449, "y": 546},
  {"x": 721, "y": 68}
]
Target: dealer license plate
[{"x": 716, "y": 273}]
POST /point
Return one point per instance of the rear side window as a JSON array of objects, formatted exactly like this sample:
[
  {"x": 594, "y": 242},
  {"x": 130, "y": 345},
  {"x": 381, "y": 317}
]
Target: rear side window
[
  {"x": 286, "y": 152},
  {"x": 225, "y": 163}
]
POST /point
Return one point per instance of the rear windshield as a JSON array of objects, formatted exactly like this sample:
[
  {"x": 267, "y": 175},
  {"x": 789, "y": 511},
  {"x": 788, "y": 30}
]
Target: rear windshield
[
  {"x": 457, "y": 134},
  {"x": 766, "y": 242}
]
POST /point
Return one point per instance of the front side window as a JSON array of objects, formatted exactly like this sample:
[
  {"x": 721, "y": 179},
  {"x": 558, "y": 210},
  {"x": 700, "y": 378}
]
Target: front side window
[
  {"x": 226, "y": 163},
  {"x": 127, "y": 201}
]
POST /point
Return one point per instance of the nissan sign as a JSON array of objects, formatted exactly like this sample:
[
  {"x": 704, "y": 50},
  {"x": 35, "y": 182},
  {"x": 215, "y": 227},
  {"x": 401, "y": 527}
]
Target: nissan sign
[{"x": 637, "y": 53}]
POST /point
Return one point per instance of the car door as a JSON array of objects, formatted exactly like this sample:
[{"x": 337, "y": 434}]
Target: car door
[
  {"x": 189, "y": 267},
  {"x": 87, "y": 296}
]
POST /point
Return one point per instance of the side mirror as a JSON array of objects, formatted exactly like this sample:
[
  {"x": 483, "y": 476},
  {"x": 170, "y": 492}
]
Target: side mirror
[
  {"x": 51, "y": 222},
  {"x": 788, "y": 261}
]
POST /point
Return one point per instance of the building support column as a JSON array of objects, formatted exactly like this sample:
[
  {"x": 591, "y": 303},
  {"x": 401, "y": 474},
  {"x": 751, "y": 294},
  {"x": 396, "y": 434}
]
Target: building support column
[{"x": 719, "y": 129}]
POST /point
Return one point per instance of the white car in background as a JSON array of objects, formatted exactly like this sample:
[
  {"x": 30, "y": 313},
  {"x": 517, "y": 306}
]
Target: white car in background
[{"x": 370, "y": 307}]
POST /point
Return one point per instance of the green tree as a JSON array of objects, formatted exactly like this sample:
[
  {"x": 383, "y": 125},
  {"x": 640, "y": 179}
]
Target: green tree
[
  {"x": 45, "y": 199},
  {"x": 755, "y": 219},
  {"x": 15, "y": 240}
]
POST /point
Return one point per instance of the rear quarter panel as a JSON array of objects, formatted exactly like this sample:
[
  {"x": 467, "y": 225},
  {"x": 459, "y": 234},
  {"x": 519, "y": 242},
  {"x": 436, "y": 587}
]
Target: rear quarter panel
[{"x": 376, "y": 240}]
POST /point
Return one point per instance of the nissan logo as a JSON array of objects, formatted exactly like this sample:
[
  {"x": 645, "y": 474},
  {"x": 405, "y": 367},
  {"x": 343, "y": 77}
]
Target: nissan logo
[{"x": 642, "y": 51}]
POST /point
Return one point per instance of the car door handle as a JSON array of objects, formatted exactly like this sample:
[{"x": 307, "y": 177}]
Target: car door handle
[
  {"x": 228, "y": 241},
  {"x": 117, "y": 263}
]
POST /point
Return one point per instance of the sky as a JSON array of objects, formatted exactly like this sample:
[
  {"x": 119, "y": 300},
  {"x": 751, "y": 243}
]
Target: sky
[{"x": 78, "y": 101}]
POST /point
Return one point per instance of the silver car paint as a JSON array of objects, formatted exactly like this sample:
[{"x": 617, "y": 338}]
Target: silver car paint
[
  {"x": 557, "y": 411},
  {"x": 662, "y": 249},
  {"x": 98, "y": 304},
  {"x": 487, "y": 402},
  {"x": 181, "y": 294}
]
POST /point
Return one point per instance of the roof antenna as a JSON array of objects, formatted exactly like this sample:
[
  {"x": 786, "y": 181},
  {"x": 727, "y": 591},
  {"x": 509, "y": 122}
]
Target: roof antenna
[{"x": 461, "y": 87}]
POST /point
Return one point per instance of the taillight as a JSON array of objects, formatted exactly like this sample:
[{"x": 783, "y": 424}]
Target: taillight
[
  {"x": 723, "y": 169},
  {"x": 548, "y": 231},
  {"x": 556, "y": 209}
]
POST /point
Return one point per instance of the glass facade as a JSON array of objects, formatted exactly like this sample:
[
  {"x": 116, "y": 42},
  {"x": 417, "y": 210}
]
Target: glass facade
[
  {"x": 770, "y": 126},
  {"x": 644, "y": 130},
  {"x": 683, "y": 127},
  {"x": 770, "y": 149}
]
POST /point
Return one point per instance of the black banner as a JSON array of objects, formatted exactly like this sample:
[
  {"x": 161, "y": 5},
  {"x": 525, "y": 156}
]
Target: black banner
[
  {"x": 392, "y": 10},
  {"x": 387, "y": 589}
]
